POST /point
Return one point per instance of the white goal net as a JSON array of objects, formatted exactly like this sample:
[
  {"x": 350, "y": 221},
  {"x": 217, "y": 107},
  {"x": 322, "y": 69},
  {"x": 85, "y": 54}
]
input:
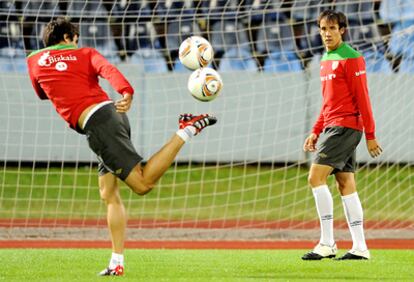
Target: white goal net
[{"x": 246, "y": 177}]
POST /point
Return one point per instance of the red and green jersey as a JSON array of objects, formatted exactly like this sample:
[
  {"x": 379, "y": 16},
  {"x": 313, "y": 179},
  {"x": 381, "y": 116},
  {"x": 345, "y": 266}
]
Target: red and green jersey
[
  {"x": 345, "y": 92},
  {"x": 68, "y": 76}
]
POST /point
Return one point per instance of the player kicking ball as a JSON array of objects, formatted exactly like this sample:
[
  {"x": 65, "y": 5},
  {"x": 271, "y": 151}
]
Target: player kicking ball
[
  {"x": 68, "y": 77},
  {"x": 346, "y": 113}
]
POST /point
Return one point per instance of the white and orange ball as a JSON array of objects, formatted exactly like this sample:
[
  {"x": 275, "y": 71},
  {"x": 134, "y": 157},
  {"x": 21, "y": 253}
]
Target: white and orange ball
[
  {"x": 205, "y": 84},
  {"x": 196, "y": 52}
]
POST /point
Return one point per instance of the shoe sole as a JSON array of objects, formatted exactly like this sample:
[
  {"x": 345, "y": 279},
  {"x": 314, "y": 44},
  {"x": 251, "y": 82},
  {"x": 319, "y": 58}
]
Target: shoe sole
[
  {"x": 321, "y": 258},
  {"x": 360, "y": 258}
]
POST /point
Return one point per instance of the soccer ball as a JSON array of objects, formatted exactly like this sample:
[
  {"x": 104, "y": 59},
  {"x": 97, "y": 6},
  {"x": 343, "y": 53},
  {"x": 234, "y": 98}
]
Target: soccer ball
[
  {"x": 205, "y": 84},
  {"x": 196, "y": 52}
]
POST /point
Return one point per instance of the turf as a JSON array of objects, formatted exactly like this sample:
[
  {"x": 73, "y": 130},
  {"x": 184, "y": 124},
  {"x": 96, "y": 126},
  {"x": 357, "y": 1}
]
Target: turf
[
  {"x": 197, "y": 193},
  {"x": 201, "y": 265}
]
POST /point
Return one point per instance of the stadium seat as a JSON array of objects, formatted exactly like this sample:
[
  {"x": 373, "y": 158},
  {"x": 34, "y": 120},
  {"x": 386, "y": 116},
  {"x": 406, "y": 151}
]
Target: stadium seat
[
  {"x": 151, "y": 60},
  {"x": 220, "y": 10},
  {"x": 175, "y": 9},
  {"x": 259, "y": 11},
  {"x": 228, "y": 34},
  {"x": 96, "y": 34},
  {"x": 178, "y": 31},
  {"x": 376, "y": 62},
  {"x": 365, "y": 33},
  {"x": 407, "y": 65},
  {"x": 87, "y": 10},
  {"x": 282, "y": 62},
  {"x": 237, "y": 59},
  {"x": 358, "y": 12},
  {"x": 12, "y": 54},
  {"x": 275, "y": 36},
  {"x": 393, "y": 11},
  {"x": 140, "y": 35},
  {"x": 306, "y": 13},
  {"x": 13, "y": 60},
  {"x": 402, "y": 39},
  {"x": 307, "y": 10}
]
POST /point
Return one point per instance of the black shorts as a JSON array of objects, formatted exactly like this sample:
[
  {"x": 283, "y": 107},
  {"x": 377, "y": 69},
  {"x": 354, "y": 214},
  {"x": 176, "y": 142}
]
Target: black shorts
[
  {"x": 337, "y": 148},
  {"x": 109, "y": 136}
]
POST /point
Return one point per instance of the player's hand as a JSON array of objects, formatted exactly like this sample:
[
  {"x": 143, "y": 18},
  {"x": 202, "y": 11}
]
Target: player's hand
[
  {"x": 310, "y": 143},
  {"x": 124, "y": 104},
  {"x": 374, "y": 148}
]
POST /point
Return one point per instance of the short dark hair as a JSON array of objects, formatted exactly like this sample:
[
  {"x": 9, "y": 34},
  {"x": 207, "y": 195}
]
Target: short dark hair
[
  {"x": 55, "y": 31},
  {"x": 333, "y": 16}
]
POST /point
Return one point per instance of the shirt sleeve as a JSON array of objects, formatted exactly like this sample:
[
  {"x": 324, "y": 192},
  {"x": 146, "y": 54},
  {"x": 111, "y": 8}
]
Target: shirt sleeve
[
  {"x": 357, "y": 79},
  {"x": 108, "y": 71},
  {"x": 318, "y": 127},
  {"x": 36, "y": 86}
]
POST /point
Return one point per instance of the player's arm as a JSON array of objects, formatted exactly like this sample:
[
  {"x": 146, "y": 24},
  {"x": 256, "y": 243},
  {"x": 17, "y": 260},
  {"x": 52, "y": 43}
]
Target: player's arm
[
  {"x": 357, "y": 77},
  {"x": 312, "y": 139},
  {"x": 117, "y": 80},
  {"x": 39, "y": 91}
]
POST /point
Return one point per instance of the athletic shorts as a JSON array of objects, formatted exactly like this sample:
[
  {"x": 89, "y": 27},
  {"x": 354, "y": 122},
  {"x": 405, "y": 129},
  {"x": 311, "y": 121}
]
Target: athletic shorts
[
  {"x": 337, "y": 148},
  {"x": 109, "y": 136}
]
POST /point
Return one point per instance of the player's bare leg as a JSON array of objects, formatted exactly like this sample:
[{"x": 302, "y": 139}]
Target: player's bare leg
[
  {"x": 116, "y": 219},
  {"x": 354, "y": 215},
  {"x": 326, "y": 248},
  {"x": 143, "y": 179}
]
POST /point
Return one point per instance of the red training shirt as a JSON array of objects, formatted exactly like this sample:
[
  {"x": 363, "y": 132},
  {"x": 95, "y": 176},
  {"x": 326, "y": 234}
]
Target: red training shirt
[
  {"x": 68, "y": 76},
  {"x": 345, "y": 92}
]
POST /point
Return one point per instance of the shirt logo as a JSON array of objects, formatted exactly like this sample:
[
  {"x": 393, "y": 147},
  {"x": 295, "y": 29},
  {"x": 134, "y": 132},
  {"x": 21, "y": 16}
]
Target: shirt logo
[
  {"x": 328, "y": 77},
  {"x": 335, "y": 65},
  {"x": 42, "y": 60},
  {"x": 46, "y": 60},
  {"x": 361, "y": 72}
]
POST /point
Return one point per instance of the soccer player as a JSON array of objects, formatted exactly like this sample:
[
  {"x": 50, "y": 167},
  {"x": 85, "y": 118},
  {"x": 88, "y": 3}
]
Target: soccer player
[
  {"x": 345, "y": 114},
  {"x": 68, "y": 77}
]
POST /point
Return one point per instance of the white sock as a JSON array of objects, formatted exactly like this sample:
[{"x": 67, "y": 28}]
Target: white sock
[
  {"x": 186, "y": 133},
  {"x": 116, "y": 259},
  {"x": 324, "y": 206},
  {"x": 355, "y": 217}
]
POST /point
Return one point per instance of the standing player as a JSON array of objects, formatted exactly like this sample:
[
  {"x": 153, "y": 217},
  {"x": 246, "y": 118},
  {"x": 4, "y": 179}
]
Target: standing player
[
  {"x": 68, "y": 76},
  {"x": 346, "y": 113}
]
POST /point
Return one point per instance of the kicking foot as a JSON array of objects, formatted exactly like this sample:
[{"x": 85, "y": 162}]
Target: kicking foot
[
  {"x": 117, "y": 271},
  {"x": 321, "y": 252},
  {"x": 198, "y": 122},
  {"x": 355, "y": 255},
  {"x": 183, "y": 118}
]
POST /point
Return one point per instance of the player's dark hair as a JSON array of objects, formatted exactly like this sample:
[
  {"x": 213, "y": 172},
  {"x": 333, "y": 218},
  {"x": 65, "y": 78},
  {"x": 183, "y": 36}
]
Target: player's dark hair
[
  {"x": 55, "y": 31},
  {"x": 333, "y": 16}
]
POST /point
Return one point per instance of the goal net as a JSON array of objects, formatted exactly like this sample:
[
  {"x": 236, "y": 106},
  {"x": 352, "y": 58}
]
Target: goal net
[{"x": 244, "y": 178}]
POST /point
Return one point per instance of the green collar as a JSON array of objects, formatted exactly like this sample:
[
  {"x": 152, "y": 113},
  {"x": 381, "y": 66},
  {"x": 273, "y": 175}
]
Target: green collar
[
  {"x": 343, "y": 52},
  {"x": 54, "y": 47},
  {"x": 337, "y": 49}
]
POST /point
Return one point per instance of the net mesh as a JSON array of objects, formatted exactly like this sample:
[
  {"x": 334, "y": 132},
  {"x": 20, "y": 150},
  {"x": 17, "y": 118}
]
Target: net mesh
[{"x": 244, "y": 178}]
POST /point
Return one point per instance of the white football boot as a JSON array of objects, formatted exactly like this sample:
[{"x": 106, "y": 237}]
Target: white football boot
[{"x": 321, "y": 252}]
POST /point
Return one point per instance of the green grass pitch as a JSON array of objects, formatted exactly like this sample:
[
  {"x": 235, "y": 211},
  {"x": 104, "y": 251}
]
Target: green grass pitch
[
  {"x": 189, "y": 192},
  {"x": 201, "y": 265}
]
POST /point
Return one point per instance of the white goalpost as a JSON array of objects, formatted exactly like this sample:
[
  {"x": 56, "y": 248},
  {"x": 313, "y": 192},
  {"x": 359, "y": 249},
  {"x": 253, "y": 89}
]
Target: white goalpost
[{"x": 244, "y": 178}]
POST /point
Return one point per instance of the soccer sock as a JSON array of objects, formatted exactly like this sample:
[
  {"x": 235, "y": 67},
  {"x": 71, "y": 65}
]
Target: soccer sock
[
  {"x": 186, "y": 133},
  {"x": 324, "y": 206},
  {"x": 355, "y": 217},
  {"x": 116, "y": 259}
]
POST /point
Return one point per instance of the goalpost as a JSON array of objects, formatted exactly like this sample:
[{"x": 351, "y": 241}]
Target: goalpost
[{"x": 246, "y": 177}]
